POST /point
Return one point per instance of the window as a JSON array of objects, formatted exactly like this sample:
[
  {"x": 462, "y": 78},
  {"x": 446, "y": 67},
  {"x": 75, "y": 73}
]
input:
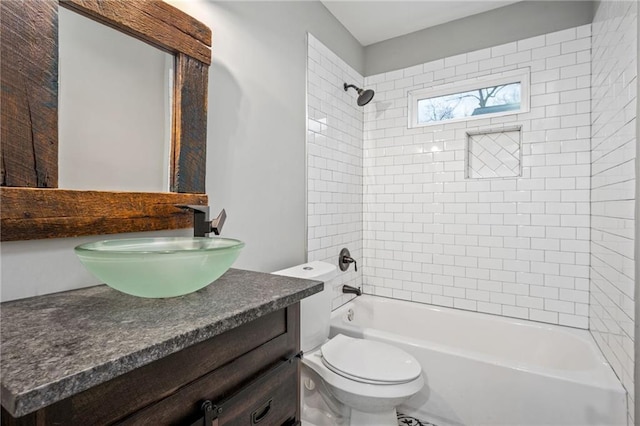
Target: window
[{"x": 471, "y": 99}]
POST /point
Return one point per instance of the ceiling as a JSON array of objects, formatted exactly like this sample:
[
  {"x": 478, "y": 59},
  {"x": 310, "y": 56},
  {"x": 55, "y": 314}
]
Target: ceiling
[{"x": 374, "y": 21}]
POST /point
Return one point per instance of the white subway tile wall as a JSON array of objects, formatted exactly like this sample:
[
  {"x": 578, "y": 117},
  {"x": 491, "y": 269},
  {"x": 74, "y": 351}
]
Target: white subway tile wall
[
  {"x": 334, "y": 164},
  {"x": 614, "y": 142},
  {"x": 518, "y": 246}
]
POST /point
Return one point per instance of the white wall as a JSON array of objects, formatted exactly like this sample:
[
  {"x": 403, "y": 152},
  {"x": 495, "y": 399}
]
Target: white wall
[
  {"x": 517, "y": 247},
  {"x": 613, "y": 182},
  {"x": 334, "y": 164}
]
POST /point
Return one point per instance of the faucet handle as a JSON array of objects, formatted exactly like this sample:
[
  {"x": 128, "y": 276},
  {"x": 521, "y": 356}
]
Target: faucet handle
[
  {"x": 349, "y": 259},
  {"x": 218, "y": 222}
]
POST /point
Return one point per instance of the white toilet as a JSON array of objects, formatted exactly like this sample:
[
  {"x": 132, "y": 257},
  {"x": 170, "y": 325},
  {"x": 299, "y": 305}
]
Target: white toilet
[{"x": 370, "y": 378}]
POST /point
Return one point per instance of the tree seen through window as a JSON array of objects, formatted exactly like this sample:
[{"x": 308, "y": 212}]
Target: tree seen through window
[{"x": 486, "y": 100}]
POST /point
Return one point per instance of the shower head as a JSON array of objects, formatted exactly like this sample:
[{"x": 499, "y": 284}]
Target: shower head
[{"x": 364, "y": 96}]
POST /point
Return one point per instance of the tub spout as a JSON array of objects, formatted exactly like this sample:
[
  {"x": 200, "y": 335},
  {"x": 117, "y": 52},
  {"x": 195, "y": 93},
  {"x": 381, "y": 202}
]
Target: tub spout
[{"x": 351, "y": 290}]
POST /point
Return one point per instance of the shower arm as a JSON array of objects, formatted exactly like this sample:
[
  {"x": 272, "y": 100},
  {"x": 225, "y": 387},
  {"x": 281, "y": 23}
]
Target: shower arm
[{"x": 346, "y": 87}]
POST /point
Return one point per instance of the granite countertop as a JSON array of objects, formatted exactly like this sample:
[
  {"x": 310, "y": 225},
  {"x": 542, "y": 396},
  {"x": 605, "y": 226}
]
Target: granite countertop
[{"x": 58, "y": 345}]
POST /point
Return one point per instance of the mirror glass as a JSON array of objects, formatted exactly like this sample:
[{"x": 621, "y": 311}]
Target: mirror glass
[{"x": 115, "y": 98}]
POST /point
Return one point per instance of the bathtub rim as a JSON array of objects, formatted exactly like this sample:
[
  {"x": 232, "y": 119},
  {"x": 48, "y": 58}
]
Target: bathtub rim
[{"x": 604, "y": 378}]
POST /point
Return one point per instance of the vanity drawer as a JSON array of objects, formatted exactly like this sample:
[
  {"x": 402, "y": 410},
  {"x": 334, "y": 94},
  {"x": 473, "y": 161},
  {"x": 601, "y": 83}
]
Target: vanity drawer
[
  {"x": 271, "y": 402},
  {"x": 268, "y": 397}
]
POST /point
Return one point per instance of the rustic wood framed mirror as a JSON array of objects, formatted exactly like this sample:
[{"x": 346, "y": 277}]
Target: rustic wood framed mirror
[{"x": 32, "y": 206}]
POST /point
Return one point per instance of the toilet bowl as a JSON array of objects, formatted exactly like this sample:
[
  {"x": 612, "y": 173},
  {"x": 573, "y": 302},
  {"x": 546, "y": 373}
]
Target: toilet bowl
[{"x": 369, "y": 378}]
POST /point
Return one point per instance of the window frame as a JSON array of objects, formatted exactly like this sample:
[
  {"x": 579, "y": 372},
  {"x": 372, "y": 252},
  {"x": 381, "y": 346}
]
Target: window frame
[{"x": 521, "y": 76}]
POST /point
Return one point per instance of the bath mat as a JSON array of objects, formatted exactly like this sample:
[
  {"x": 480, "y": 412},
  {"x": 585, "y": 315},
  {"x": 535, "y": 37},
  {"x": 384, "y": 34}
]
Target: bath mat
[{"x": 404, "y": 420}]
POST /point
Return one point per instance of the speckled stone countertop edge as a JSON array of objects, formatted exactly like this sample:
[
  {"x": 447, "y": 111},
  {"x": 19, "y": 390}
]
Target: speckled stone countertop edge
[{"x": 28, "y": 402}]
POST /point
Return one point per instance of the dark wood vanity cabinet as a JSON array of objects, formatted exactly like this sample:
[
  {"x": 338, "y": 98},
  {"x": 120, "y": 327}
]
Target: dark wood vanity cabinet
[{"x": 249, "y": 374}]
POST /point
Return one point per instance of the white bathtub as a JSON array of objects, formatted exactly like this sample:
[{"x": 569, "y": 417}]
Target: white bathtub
[{"x": 488, "y": 370}]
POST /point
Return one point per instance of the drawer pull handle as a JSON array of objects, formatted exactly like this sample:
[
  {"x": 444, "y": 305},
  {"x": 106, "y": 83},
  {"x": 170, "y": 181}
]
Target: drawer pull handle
[{"x": 262, "y": 412}]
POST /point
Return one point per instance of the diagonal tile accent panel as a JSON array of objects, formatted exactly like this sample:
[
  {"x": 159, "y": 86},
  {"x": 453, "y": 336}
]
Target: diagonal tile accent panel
[{"x": 493, "y": 154}]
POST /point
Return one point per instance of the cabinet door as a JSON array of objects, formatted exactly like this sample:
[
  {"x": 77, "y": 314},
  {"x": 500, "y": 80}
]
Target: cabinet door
[{"x": 272, "y": 402}]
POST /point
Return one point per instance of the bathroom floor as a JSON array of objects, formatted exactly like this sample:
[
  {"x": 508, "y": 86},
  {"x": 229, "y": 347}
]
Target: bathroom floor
[{"x": 404, "y": 420}]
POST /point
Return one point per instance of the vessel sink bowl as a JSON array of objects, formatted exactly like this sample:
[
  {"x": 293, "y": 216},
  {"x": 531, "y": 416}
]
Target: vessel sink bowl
[{"x": 159, "y": 267}]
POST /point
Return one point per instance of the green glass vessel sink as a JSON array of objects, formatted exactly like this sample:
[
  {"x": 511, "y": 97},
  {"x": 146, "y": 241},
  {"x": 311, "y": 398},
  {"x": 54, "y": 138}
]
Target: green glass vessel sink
[{"x": 159, "y": 267}]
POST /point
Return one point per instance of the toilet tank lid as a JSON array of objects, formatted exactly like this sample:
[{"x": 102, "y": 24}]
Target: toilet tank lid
[{"x": 316, "y": 270}]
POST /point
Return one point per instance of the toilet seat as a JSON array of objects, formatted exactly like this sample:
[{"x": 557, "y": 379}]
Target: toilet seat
[
  {"x": 344, "y": 384},
  {"x": 368, "y": 361},
  {"x": 314, "y": 361}
]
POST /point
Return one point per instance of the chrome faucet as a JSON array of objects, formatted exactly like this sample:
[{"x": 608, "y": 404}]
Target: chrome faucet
[{"x": 201, "y": 223}]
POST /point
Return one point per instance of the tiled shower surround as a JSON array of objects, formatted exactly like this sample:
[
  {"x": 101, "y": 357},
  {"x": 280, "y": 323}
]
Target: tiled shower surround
[
  {"x": 334, "y": 164},
  {"x": 555, "y": 244},
  {"x": 614, "y": 142},
  {"x": 513, "y": 246}
]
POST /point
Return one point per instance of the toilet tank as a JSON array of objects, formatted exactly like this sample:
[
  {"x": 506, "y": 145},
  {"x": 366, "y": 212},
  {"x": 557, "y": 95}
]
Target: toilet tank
[{"x": 315, "y": 310}]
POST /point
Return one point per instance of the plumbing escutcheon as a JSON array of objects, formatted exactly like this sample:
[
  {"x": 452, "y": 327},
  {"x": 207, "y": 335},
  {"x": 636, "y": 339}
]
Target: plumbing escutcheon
[{"x": 345, "y": 259}]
